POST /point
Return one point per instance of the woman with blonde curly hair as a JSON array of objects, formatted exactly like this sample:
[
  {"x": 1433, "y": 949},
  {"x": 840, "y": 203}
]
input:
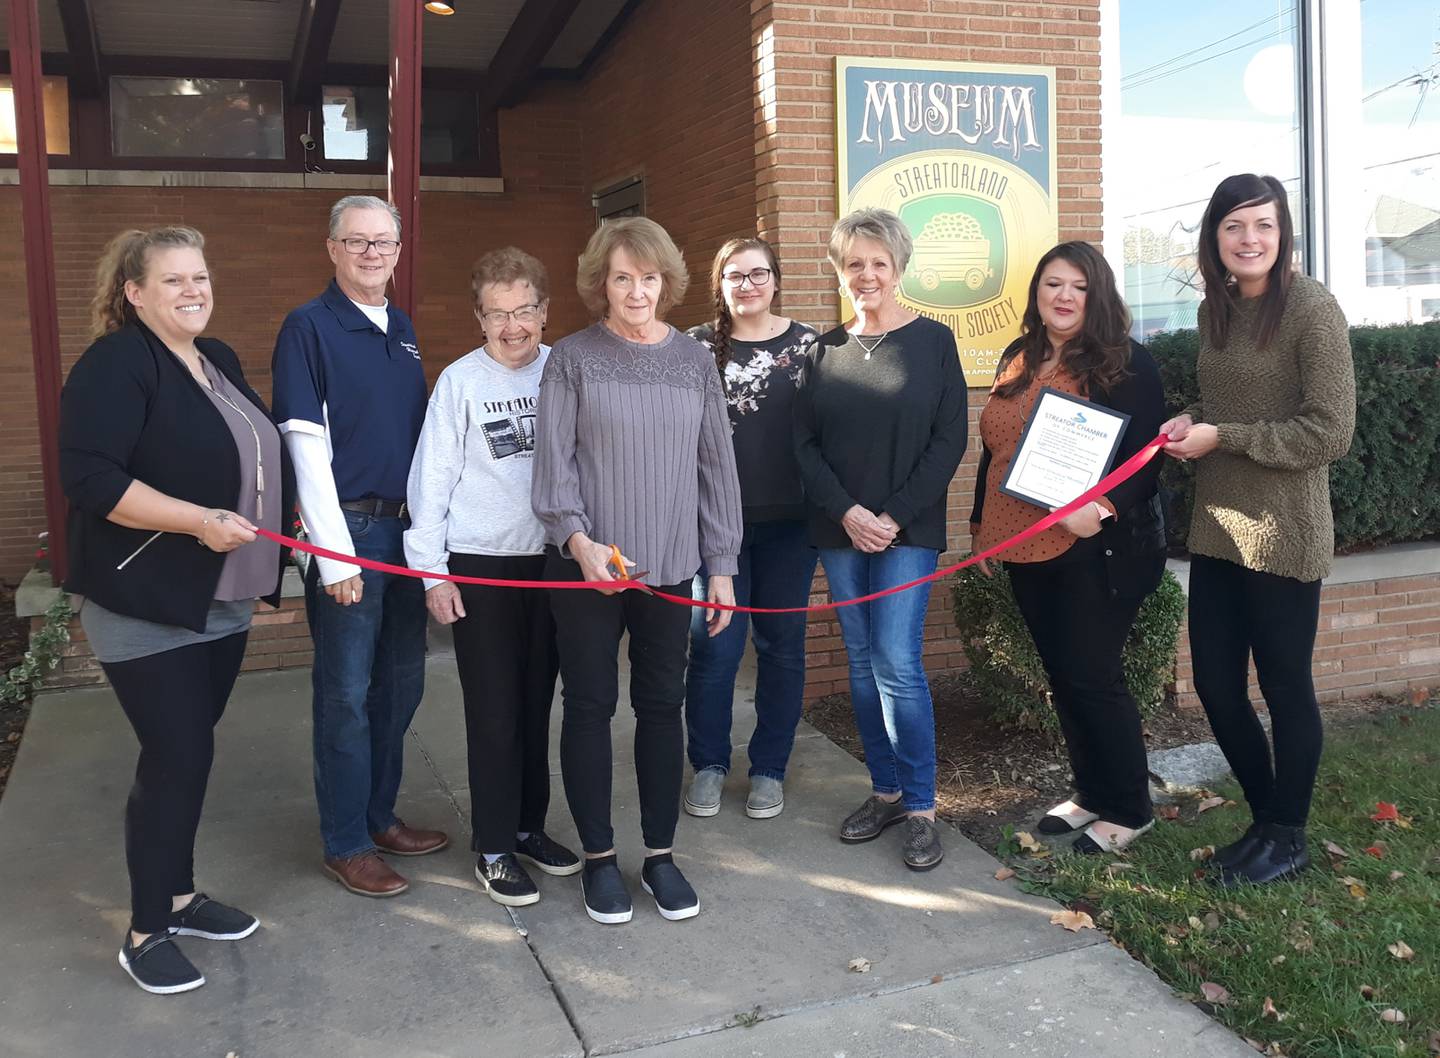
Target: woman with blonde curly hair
[
  {"x": 633, "y": 468},
  {"x": 164, "y": 446},
  {"x": 759, "y": 355}
]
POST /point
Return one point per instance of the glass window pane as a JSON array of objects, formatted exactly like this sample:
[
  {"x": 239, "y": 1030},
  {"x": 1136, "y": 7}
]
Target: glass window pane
[
  {"x": 196, "y": 117},
  {"x": 55, "y": 97},
  {"x": 1400, "y": 173},
  {"x": 357, "y": 121},
  {"x": 1206, "y": 90}
]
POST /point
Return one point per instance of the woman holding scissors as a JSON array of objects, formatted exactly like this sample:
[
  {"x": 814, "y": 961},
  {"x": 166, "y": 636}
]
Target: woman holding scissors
[
  {"x": 1080, "y": 584},
  {"x": 633, "y": 468}
]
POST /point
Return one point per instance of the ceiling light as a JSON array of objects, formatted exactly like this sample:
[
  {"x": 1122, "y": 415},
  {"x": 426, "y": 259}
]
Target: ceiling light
[{"x": 440, "y": 7}]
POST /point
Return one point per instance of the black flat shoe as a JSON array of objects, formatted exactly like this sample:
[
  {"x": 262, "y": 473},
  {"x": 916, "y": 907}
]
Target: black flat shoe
[
  {"x": 1235, "y": 852},
  {"x": 1093, "y": 843},
  {"x": 1279, "y": 853},
  {"x": 1065, "y": 819}
]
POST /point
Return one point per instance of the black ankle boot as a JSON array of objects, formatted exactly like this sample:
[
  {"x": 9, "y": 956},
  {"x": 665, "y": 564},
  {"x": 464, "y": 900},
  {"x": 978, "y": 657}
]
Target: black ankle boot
[
  {"x": 1280, "y": 852},
  {"x": 1229, "y": 855}
]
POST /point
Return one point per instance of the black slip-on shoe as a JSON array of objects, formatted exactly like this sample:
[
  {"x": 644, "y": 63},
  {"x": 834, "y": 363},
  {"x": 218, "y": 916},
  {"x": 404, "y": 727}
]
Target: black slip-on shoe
[
  {"x": 922, "y": 850},
  {"x": 212, "y": 920},
  {"x": 1280, "y": 853},
  {"x": 675, "y": 899},
  {"x": 868, "y": 821},
  {"x": 506, "y": 881},
  {"x": 607, "y": 900},
  {"x": 548, "y": 855},
  {"x": 158, "y": 966},
  {"x": 1066, "y": 818}
]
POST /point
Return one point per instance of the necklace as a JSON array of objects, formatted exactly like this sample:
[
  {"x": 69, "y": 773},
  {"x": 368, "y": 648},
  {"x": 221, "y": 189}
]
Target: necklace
[{"x": 873, "y": 345}]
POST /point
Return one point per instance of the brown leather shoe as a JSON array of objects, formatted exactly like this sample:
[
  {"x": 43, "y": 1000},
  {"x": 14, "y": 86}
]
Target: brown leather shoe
[
  {"x": 401, "y": 840},
  {"x": 366, "y": 874}
]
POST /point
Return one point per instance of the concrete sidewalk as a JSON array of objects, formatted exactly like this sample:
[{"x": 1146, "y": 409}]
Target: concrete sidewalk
[{"x": 961, "y": 964}]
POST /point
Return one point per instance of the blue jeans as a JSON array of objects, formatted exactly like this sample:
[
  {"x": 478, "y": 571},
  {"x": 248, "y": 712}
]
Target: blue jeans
[
  {"x": 776, "y": 568},
  {"x": 888, "y": 689},
  {"x": 368, "y": 677}
]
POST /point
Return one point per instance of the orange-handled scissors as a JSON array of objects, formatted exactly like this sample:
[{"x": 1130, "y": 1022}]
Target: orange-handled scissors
[{"x": 617, "y": 564}]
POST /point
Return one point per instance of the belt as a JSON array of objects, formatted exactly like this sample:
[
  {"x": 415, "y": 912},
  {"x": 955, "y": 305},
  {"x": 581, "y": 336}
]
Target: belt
[{"x": 376, "y": 508}]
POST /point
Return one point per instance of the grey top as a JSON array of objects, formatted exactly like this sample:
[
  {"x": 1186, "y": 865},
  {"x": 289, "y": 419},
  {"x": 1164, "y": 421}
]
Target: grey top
[
  {"x": 115, "y": 637},
  {"x": 252, "y": 570},
  {"x": 633, "y": 449}
]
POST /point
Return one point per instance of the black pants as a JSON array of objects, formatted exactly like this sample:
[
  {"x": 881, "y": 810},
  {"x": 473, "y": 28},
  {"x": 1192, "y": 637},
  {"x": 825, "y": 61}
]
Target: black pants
[
  {"x": 173, "y": 701},
  {"x": 590, "y": 626},
  {"x": 1080, "y": 631},
  {"x": 1236, "y": 612},
  {"x": 505, "y": 651}
]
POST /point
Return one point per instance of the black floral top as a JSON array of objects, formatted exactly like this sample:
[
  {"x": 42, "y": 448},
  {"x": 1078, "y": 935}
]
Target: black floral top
[{"x": 760, "y": 381}]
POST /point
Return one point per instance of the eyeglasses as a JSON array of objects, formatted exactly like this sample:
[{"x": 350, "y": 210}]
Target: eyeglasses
[
  {"x": 758, "y": 277},
  {"x": 497, "y": 319},
  {"x": 384, "y": 247}
]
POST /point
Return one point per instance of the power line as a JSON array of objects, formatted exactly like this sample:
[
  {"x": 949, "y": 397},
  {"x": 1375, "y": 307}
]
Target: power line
[
  {"x": 1282, "y": 31},
  {"x": 1193, "y": 51}
]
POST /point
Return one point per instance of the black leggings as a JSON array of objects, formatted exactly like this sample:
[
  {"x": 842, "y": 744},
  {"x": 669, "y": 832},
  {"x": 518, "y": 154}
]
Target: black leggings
[
  {"x": 1236, "y": 612},
  {"x": 505, "y": 651},
  {"x": 590, "y": 626},
  {"x": 173, "y": 701},
  {"x": 1080, "y": 631}
]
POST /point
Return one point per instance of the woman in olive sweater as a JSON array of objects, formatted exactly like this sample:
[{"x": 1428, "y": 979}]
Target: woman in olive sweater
[{"x": 1276, "y": 408}]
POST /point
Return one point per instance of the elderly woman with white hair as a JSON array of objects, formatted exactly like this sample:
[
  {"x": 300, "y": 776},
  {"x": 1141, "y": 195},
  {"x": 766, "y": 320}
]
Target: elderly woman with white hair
[
  {"x": 880, "y": 426},
  {"x": 633, "y": 467}
]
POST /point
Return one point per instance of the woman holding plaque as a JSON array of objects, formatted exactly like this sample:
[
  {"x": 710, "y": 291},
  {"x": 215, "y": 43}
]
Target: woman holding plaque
[
  {"x": 880, "y": 426},
  {"x": 1276, "y": 408},
  {"x": 1080, "y": 584}
]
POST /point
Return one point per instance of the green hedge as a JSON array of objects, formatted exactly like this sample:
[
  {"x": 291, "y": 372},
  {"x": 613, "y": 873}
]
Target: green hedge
[
  {"x": 1006, "y": 670},
  {"x": 1387, "y": 488}
]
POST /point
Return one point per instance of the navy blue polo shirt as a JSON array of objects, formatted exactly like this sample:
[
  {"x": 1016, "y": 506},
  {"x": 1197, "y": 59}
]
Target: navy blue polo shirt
[{"x": 336, "y": 370}]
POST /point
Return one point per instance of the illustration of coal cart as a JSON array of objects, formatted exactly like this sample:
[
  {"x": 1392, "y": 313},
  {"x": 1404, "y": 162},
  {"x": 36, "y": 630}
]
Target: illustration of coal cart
[{"x": 951, "y": 249}]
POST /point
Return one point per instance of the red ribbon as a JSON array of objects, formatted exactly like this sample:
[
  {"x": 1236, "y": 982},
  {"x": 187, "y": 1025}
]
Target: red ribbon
[{"x": 1123, "y": 472}]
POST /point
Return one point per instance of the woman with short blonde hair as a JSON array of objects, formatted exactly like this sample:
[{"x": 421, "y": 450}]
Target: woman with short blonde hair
[{"x": 643, "y": 240}]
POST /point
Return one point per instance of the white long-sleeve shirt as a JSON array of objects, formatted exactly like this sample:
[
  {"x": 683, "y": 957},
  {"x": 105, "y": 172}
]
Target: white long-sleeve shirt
[{"x": 469, "y": 487}]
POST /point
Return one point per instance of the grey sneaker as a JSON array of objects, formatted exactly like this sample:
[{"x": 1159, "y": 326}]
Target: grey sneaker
[
  {"x": 704, "y": 796},
  {"x": 867, "y": 821},
  {"x": 922, "y": 844},
  {"x": 767, "y": 797}
]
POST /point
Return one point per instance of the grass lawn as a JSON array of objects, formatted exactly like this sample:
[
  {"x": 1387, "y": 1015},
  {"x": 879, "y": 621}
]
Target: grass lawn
[{"x": 1319, "y": 948}]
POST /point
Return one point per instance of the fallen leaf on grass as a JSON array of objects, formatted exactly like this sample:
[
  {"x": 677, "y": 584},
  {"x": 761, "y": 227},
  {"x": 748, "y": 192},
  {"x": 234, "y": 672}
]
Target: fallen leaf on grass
[
  {"x": 858, "y": 966},
  {"x": 1203, "y": 853},
  {"x": 1385, "y": 812},
  {"x": 1277, "y": 960},
  {"x": 1004, "y": 874},
  {"x": 1433, "y": 1042},
  {"x": 1194, "y": 923},
  {"x": 1355, "y": 885},
  {"x": 1335, "y": 850},
  {"x": 1395, "y": 876},
  {"x": 1267, "y": 1010},
  {"x": 1392, "y": 1016},
  {"x": 1367, "y": 991},
  {"x": 1027, "y": 843},
  {"x": 1214, "y": 993},
  {"x": 1378, "y": 850},
  {"x": 1212, "y": 920},
  {"x": 1074, "y": 921},
  {"x": 1113, "y": 869},
  {"x": 1209, "y": 803},
  {"x": 1171, "y": 812},
  {"x": 1401, "y": 950}
]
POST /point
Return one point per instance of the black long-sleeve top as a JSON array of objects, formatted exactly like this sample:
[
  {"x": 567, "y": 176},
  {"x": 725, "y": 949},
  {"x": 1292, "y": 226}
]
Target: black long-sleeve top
[
  {"x": 131, "y": 411},
  {"x": 885, "y": 431}
]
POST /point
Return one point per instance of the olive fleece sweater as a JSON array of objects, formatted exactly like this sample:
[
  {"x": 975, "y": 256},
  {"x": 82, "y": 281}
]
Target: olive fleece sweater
[{"x": 1284, "y": 414}]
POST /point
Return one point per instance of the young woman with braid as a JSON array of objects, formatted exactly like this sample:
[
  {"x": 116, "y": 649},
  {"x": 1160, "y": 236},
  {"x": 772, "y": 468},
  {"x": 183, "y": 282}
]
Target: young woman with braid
[{"x": 759, "y": 355}]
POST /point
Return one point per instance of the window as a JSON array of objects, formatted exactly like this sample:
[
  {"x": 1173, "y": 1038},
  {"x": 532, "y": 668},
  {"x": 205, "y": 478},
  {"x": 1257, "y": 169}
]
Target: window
[
  {"x": 1399, "y": 159},
  {"x": 196, "y": 117},
  {"x": 55, "y": 98},
  {"x": 1206, "y": 91},
  {"x": 625, "y": 199},
  {"x": 356, "y": 121}
]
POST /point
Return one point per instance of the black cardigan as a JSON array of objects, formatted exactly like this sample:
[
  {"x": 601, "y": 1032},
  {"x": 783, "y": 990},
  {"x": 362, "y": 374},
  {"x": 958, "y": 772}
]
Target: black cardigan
[
  {"x": 131, "y": 411},
  {"x": 1132, "y": 540}
]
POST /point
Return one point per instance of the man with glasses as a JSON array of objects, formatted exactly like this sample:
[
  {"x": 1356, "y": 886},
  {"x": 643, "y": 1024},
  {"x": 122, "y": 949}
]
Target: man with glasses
[{"x": 350, "y": 400}]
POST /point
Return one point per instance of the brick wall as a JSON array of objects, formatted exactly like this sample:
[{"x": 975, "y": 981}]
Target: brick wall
[
  {"x": 1375, "y": 637},
  {"x": 672, "y": 100},
  {"x": 267, "y": 252},
  {"x": 795, "y": 184}
]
